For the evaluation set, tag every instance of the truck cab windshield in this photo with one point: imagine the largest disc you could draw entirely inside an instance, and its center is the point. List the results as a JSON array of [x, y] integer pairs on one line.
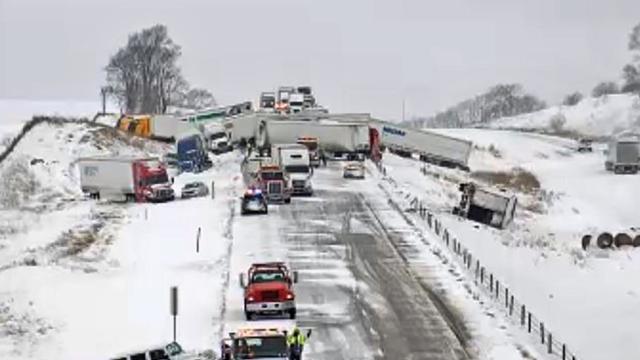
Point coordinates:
[[156, 179], [216, 136], [260, 347], [262, 277], [297, 169], [272, 175]]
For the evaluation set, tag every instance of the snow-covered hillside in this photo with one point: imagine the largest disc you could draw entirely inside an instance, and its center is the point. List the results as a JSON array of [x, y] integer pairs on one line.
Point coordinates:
[[577, 293], [603, 116], [14, 113]]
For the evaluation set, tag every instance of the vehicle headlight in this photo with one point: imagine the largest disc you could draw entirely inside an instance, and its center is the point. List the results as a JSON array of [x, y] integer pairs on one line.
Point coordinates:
[[289, 296], [251, 299]]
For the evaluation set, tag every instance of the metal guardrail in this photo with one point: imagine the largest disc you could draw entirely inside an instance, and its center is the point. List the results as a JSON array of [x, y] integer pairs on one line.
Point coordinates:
[[497, 290], [494, 288]]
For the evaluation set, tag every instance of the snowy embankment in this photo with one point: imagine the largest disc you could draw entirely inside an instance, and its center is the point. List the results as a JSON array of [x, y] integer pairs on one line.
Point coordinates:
[[589, 299], [14, 113], [87, 280], [599, 117]]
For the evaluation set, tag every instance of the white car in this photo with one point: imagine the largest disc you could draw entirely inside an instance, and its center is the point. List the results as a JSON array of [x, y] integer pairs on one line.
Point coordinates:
[[353, 170]]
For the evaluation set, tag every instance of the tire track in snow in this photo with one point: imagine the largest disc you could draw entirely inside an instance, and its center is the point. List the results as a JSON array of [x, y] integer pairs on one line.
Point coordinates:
[[228, 236]]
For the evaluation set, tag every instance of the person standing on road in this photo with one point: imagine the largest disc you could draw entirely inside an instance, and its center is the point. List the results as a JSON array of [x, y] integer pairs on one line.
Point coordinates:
[[296, 342]]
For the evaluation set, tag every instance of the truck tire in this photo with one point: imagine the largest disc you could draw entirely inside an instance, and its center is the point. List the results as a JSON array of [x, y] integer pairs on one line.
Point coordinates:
[[292, 314], [249, 315], [586, 240], [636, 241], [604, 240], [622, 239], [287, 200]]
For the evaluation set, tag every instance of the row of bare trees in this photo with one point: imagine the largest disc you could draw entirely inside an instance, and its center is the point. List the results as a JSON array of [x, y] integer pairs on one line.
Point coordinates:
[[143, 76]]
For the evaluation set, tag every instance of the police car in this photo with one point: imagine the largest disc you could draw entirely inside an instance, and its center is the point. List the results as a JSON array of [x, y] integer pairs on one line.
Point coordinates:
[[254, 202]]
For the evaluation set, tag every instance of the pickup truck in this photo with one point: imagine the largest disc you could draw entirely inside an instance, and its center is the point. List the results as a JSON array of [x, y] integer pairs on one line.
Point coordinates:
[[268, 290]]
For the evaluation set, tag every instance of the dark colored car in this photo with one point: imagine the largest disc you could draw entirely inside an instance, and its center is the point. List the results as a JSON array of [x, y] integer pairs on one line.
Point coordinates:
[[254, 202]]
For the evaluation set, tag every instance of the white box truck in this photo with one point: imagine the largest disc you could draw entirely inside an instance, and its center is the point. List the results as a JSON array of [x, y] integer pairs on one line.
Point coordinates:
[[128, 179], [623, 156], [294, 160]]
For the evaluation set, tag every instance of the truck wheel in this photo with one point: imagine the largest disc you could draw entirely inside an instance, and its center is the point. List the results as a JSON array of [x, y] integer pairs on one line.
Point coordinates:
[[604, 240], [292, 314], [287, 201], [249, 315]]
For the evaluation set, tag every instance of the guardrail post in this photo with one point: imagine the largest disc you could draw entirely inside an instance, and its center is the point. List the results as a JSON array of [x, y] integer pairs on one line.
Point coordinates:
[[482, 275], [491, 283], [506, 297], [523, 311], [529, 321], [497, 289], [550, 344], [564, 352], [511, 306], [542, 332]]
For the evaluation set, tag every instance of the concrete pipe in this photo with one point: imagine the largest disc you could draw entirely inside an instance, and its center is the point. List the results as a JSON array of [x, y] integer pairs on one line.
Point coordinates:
[[605, 240], [622, 239], [586, 240]]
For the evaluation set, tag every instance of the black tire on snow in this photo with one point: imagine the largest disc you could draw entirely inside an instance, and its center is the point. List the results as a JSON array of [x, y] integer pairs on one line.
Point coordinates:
[[287, 201], [249, 316], [292, 314], [586, 240], [622, 239], [636, 241], [604, 240]]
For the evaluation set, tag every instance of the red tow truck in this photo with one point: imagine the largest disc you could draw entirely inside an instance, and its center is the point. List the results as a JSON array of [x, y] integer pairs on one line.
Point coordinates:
[[268, 290]]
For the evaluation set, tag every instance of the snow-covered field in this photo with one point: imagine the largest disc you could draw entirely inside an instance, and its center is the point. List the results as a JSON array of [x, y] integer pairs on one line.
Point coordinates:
[[603, 116], [589, 298]]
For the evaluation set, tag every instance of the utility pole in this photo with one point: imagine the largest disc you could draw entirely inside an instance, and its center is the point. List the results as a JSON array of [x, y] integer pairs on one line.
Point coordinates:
[[104, 91], [403, 110]]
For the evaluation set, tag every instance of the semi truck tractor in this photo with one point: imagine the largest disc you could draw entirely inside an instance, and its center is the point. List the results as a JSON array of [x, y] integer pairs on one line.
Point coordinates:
[[128, 179], [192, 153], [296, 103], [312, 144], [268, 289], [294, 160], [267, 101], [623, 156]]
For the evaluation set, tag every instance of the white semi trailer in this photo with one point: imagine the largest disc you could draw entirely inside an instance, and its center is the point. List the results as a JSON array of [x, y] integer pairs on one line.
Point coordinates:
[[623, 156], [493, 208], [334, 137], [428, 146]]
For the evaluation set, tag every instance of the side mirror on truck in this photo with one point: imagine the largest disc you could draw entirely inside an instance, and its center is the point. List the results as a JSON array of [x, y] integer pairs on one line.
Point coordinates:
[[295, 277]]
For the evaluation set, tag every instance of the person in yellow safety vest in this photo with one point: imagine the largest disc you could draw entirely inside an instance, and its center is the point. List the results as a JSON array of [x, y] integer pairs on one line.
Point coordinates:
[[295, 342]]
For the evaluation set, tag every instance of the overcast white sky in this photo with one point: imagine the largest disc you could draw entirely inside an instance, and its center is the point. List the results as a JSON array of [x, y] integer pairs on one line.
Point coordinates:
[[358, 55]]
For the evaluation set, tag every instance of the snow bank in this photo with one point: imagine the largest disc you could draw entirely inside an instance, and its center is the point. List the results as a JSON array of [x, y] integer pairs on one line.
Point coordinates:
[[602, 116]]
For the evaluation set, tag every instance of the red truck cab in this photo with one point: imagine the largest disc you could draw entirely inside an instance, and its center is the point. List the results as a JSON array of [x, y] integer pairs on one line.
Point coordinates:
[[274, 183], [268, 290]]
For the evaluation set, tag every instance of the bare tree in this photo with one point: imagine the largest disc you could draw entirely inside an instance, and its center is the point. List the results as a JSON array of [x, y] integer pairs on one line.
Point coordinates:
[[143, 74], [572, 99], [605, 88], [195, 98]]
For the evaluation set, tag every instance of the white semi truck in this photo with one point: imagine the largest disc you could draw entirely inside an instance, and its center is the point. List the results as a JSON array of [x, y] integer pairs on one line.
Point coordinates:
[[333, 137], [126, 179], [294, 159], [623, 155]]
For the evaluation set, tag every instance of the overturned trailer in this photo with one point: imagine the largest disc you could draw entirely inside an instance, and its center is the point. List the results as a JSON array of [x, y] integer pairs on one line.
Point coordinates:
[[492, 208]]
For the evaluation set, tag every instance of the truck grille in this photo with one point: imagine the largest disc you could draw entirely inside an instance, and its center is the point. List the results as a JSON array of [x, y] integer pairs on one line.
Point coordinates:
[[274, 187], [298, 183], [164, 193], [269, 295]]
